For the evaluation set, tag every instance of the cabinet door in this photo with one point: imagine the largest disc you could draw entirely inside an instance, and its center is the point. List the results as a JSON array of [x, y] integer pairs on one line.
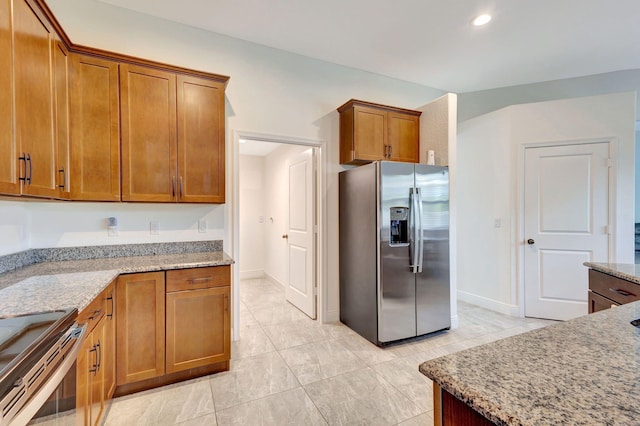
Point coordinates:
[[61, 75], [140, 327], [149, 138], [96, 374], [201, 140], [109, 351], [197, 328], [9, 183], [34, 98], [403, 137], [95, 130], [599, 303], [369, 134]]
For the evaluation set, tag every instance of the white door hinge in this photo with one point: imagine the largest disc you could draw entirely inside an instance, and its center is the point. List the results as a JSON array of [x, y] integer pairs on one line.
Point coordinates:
[[609, 162]]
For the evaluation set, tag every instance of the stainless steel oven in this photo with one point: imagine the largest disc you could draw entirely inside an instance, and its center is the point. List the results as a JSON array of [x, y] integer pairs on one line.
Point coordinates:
[[37, 366]]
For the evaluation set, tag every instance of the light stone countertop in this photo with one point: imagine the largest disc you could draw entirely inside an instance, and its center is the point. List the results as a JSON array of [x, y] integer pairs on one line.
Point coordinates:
[[583, 371], [626, 271], [75, 283]]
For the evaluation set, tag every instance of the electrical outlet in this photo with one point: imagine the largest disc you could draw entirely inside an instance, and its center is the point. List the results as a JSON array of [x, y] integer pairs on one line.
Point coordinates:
[[202, 226], [112, 226], [154, 227]]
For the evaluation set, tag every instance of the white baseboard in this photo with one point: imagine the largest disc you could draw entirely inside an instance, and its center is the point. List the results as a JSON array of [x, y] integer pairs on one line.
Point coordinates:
[[273, 279], [252, 274], [454, 322], [484, 302], [332, 316]]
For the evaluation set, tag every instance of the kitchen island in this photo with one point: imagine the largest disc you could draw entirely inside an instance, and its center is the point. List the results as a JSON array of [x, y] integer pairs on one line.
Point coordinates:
[[583, 371]]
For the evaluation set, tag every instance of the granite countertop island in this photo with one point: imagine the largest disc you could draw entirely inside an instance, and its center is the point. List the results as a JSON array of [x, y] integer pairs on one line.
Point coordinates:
[[625, 271], [583, 371], [74, 283]]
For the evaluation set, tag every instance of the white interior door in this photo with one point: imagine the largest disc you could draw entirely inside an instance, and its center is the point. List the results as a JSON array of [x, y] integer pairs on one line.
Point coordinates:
[[301, 286], [566, 202]]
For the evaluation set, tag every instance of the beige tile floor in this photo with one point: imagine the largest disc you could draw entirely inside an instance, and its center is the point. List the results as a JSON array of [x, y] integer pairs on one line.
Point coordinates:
[[289, 370]]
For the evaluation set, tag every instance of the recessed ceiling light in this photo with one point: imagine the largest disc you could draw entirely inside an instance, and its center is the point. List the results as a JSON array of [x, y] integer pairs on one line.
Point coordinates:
[[481, 20]]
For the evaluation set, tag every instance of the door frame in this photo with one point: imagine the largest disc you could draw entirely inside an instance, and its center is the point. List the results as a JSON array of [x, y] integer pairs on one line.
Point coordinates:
[[320, 214], [517, 281]]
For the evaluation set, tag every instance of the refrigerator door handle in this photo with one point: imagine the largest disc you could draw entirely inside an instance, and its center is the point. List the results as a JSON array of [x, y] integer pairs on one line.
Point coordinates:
[[420, 230], [414, 229]]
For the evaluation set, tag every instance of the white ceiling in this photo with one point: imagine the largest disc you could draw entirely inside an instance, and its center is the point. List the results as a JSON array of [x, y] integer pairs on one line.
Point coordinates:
[[431, 42]]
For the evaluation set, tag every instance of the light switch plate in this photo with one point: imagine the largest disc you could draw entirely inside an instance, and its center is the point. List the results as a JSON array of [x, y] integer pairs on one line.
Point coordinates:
[[202, 226]]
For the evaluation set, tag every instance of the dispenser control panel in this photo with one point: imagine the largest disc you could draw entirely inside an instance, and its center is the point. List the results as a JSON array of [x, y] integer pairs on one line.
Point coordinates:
[[399, 226]]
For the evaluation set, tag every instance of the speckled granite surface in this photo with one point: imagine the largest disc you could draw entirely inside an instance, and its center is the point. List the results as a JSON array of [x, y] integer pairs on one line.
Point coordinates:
[[583, 371], [41, 283], [51, 292], [16, 260], [25, 258], [626, 271]]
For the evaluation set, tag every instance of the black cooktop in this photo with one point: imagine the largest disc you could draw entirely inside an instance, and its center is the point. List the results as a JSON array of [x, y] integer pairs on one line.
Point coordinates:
[[27, 337]]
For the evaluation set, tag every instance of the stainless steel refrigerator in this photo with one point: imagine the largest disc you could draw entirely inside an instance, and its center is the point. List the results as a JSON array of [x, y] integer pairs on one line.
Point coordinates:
[[394, 250]]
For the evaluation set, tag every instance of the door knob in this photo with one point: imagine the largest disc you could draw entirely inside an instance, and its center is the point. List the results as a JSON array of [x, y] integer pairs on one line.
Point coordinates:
[[530, 241], [285, 236]]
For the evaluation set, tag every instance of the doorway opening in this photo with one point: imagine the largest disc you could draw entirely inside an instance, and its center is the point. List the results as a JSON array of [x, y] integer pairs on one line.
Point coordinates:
[[277, 224]]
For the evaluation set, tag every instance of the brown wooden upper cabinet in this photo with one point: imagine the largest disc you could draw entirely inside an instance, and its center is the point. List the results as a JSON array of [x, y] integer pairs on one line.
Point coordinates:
[[9, 183], [38, 159], [95, 129], [370, 132], [84, 124], [172, 137]]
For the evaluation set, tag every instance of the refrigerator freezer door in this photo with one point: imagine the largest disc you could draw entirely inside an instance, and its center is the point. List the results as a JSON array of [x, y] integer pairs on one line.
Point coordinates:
[[396, 281], [432, 284]]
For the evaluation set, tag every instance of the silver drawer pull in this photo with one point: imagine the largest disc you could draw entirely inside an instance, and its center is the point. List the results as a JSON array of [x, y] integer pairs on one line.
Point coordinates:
[[622, 292], [199, 280]]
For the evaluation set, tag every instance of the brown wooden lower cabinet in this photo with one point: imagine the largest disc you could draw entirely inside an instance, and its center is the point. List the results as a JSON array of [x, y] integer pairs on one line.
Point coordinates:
[[95, 364], [172, 326], [139, 327], [450, 411], [606, 291], [197, 328], [598, 303]]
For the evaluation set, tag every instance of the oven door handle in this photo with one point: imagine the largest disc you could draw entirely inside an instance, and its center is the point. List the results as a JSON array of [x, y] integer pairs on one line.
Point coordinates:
[[40, 397]]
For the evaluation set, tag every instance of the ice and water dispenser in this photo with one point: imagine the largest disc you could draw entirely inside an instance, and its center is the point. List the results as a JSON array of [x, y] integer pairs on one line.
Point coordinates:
[[399, 226]]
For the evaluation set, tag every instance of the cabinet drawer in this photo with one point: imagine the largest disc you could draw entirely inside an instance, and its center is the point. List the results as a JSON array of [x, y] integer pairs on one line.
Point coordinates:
[[616, 289], [98, 307], [197, 278]]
